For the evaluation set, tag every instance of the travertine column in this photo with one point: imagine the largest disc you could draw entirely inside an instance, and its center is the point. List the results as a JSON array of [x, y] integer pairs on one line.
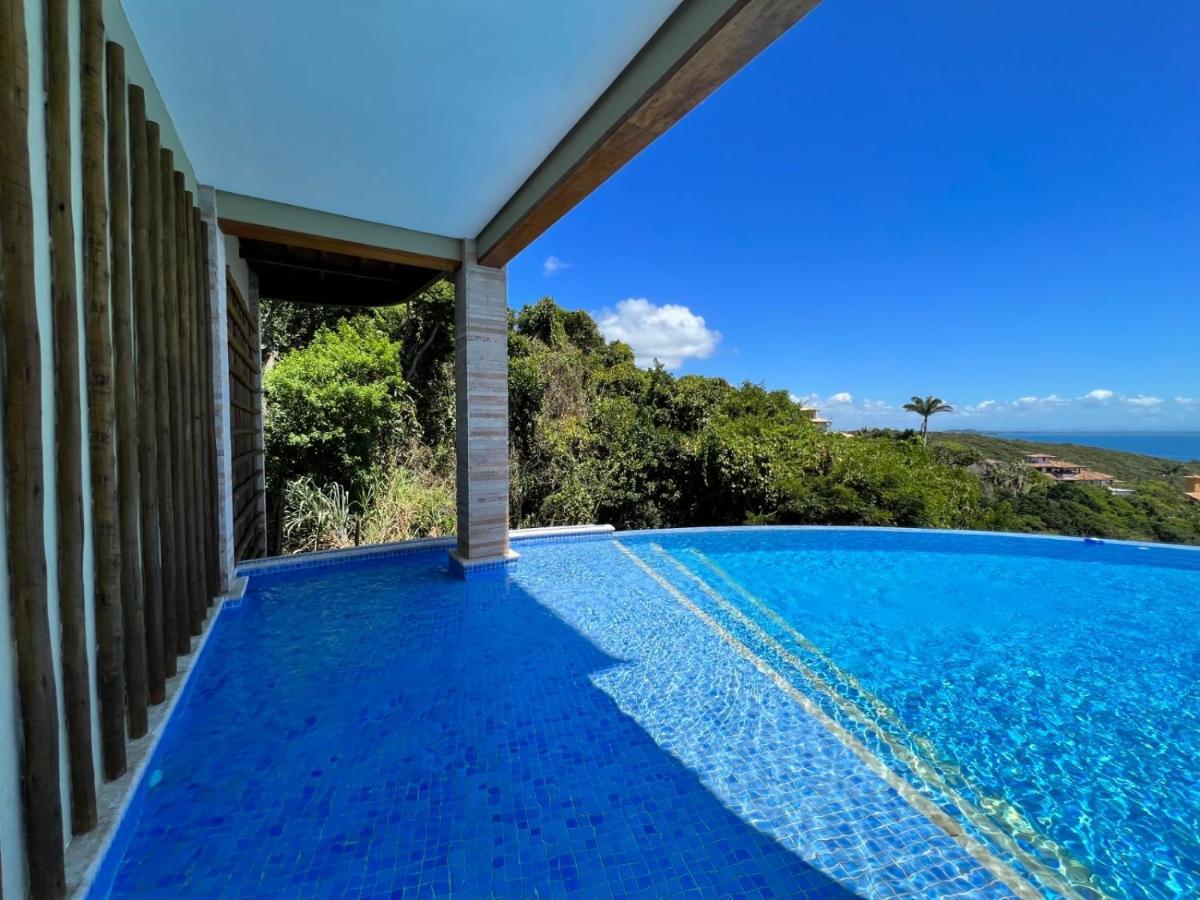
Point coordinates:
[[218, 318], [481, 396]]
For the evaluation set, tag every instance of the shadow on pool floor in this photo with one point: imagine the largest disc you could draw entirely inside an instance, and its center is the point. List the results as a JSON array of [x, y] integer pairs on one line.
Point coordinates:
[[351, 736]]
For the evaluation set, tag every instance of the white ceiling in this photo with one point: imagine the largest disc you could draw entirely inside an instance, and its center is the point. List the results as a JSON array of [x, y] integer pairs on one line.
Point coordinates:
[[427, 114]]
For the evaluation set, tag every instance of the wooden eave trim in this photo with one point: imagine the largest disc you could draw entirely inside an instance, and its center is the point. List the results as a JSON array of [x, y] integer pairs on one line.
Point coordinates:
[[253, 231], [734, 38]]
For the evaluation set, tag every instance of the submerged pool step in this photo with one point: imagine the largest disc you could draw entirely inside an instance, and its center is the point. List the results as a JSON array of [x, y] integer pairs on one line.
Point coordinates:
[[838, 694]]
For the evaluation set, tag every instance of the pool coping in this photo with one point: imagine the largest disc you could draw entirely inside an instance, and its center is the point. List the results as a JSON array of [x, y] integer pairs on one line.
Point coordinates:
[[550, 534], [900, 529], [322, 558]]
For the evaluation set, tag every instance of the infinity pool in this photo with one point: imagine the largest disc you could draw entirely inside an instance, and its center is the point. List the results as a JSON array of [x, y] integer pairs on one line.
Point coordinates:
[[744, 712]]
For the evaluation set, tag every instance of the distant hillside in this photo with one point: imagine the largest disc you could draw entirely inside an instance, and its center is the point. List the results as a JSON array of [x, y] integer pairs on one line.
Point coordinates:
[[1131, 467]]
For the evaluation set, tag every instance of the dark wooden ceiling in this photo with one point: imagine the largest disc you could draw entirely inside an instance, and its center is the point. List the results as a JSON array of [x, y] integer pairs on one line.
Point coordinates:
[[328, 278]]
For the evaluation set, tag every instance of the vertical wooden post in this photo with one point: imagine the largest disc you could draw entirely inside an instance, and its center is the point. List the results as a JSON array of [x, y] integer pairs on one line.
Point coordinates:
[[147, 400], [68, 428], [133, 614], [42, 812], [197, 397], [183, 643], [187, 354], [110, 655], [207, 417], [162, 401]]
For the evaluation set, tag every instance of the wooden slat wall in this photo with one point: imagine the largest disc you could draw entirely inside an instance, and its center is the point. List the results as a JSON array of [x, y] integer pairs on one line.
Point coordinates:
[[245, 411], [147, 358]]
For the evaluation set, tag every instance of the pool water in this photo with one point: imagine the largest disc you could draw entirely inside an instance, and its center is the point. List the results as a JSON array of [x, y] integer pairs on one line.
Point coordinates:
[[749, 712], [1053, 686]]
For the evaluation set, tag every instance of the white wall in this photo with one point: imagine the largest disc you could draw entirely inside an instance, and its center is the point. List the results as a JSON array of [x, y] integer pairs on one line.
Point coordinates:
[[12, 849]]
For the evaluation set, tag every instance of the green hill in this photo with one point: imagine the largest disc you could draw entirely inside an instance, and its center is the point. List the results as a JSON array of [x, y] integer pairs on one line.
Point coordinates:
[[1131, 467], [1018, 499]]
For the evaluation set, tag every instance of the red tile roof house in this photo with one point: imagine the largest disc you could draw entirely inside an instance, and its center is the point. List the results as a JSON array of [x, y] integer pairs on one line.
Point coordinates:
[[1061, 470]]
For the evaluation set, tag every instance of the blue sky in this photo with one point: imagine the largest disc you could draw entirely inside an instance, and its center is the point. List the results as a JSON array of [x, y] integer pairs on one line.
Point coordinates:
[[997, 203]]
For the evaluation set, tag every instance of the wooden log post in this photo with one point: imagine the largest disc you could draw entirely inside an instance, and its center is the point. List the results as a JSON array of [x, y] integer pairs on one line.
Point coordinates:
[[197, 395], [162, 402], [23, 471], [110, 654], [68, 450], [147, 400], [187, 336], [198, 462], [129, 481], [182, 637], [212, 575]]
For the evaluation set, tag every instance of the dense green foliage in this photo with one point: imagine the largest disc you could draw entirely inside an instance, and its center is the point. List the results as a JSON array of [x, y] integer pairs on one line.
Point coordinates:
[[1130, 467], [360, 440], [339, 405], [595, 438], [1021, 500]]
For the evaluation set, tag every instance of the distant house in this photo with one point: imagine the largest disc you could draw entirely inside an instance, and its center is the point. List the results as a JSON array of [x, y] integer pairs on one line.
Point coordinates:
[[1061, 470], [815, 417], [1191, 487]]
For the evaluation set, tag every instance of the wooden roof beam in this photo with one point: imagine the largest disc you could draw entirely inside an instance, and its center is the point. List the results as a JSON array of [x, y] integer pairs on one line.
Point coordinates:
[[265, 220]]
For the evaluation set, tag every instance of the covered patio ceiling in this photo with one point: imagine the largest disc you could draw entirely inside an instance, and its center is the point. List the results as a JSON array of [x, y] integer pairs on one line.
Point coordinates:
[[398, 129]]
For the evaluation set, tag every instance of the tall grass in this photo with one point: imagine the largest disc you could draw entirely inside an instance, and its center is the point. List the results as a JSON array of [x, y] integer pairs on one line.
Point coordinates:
[[411, 497]]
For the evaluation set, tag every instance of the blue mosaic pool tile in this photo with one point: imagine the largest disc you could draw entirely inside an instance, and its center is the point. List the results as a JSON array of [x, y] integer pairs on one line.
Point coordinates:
[[571, 730]]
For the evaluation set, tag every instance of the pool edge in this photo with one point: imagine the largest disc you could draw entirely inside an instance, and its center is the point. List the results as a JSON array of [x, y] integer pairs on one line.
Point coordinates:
[[91, 863]]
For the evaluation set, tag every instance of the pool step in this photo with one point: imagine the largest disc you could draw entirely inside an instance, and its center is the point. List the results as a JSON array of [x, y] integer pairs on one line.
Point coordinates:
[[792, 658]]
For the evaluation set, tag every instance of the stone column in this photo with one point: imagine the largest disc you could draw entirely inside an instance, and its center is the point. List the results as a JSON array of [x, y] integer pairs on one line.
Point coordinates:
[[481, 404], [218, 319]]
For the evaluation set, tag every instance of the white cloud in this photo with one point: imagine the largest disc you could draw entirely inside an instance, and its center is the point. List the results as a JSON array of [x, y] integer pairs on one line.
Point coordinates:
[[669, 333], [553, 265], [1034, 403], [1141, 400], [1096, 409]]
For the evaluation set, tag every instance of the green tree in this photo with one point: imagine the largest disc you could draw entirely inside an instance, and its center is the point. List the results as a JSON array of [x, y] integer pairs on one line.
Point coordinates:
[[926, 407], [338, 408], [595, 438]]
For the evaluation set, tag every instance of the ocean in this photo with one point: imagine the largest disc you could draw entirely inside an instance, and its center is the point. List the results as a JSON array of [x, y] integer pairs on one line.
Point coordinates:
[[1181, 445]]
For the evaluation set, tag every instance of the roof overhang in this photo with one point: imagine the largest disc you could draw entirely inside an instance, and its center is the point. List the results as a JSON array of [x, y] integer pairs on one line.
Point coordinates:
[[379, 163], [696, 50]]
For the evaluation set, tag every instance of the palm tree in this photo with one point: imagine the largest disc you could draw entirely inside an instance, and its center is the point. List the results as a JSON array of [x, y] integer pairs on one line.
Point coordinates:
[[926, 407]]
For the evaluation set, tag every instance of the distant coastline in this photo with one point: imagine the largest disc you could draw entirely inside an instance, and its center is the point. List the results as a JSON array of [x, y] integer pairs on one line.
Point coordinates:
[[1178, 445]]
